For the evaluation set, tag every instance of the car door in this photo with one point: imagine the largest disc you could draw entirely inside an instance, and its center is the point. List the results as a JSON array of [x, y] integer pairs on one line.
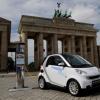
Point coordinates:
[[55, 71]]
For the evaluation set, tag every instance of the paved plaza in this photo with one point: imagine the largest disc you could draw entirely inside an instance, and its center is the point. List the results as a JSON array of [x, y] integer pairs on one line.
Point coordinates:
[[34, 93]]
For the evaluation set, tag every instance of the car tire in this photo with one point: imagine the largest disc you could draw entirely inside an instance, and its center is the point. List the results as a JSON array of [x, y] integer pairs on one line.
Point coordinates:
[[74, 88], [42, 83]]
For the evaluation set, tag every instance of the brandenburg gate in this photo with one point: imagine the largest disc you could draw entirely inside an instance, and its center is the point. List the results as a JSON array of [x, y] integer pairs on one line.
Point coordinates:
[[76, 37]]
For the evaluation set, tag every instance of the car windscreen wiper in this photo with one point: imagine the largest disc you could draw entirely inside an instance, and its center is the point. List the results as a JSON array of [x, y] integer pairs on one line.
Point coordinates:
[[86, 65], [82, 65]]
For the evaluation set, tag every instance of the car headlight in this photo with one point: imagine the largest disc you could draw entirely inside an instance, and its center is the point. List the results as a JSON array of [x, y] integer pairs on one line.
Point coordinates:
[[81, 72]]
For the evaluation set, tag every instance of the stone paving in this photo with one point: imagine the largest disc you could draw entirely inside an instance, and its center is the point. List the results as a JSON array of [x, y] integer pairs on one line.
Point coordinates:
[[34, 93]]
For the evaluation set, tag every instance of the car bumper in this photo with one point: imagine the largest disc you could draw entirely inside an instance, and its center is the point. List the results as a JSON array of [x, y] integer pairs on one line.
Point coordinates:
[[90, 83]]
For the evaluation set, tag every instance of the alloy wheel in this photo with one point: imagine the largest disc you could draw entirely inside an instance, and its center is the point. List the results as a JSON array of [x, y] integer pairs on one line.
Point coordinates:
[[73, 88]]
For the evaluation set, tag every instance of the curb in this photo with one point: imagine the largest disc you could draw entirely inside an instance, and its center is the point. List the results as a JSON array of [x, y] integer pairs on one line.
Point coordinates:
[[7, 75], [14, 74]]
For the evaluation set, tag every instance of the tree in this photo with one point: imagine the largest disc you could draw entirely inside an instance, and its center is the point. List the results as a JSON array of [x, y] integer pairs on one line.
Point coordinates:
[[11, 65], [31, 67]]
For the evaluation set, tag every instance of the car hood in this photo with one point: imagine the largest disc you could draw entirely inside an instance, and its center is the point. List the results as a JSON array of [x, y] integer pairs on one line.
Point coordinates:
[[90, 71]]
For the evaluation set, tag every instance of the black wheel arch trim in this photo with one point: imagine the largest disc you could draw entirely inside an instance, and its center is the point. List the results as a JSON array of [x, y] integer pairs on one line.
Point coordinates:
[[40, 77], [71, 80]]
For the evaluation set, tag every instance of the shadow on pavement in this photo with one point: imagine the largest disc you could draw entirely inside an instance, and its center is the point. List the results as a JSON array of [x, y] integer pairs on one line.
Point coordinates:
[[92, 92], [85, 93], [35, 88]]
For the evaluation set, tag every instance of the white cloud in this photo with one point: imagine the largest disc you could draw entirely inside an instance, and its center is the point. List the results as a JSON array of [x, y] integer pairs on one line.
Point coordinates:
[[15, 37], [82, 13], [82, 10]]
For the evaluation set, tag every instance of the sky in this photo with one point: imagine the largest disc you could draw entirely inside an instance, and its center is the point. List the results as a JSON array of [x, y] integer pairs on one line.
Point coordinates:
[[82, 11]]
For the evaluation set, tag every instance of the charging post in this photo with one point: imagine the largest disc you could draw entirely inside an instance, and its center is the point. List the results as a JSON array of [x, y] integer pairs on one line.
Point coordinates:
[[20, 63], [20, 66]]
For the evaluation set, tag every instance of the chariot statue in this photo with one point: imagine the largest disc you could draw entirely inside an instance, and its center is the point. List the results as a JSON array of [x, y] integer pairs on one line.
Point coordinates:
[[58, 12]]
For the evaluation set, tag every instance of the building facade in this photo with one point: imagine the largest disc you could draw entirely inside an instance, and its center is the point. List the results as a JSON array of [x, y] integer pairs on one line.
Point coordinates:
[[98, 50], [5, 30], [76, 37]]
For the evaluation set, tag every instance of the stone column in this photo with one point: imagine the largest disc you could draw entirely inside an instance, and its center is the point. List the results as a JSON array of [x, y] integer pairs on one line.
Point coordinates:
[[0, 49], [49, 46], [73, 44], [38, 50], [26, 49], [92, 54], [52, 44], [84, 47], [95, 52], [69, 44], [4, 50], [81, 47], [64, 44]]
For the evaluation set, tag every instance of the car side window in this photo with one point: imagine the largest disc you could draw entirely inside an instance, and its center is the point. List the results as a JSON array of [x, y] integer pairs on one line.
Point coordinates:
[[50, 61], [54, 60], [58, 60]]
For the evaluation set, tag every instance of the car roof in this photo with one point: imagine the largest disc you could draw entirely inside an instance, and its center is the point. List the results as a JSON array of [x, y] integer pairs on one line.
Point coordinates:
[[61, 54]]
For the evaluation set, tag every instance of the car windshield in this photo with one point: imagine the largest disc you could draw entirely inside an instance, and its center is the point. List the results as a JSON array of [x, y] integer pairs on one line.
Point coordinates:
[[77, 61]]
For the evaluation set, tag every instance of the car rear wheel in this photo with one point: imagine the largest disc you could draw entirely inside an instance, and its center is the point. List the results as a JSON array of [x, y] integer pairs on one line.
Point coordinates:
[[74, 88], [42, 83]]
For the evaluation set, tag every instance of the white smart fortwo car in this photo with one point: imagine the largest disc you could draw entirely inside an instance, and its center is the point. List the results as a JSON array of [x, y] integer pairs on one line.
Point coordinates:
[[68, 70]]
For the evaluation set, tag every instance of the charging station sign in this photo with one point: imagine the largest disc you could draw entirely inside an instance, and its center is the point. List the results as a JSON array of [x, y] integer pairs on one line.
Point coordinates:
[[20, 58]]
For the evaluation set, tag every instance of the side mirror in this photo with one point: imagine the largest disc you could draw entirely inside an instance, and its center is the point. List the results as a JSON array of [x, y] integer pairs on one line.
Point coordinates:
[[61, 64]]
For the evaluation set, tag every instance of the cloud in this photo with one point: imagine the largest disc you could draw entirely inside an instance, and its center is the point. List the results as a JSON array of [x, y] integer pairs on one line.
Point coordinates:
[[85, 12], [82, 10], [81, 13], [15, 37]]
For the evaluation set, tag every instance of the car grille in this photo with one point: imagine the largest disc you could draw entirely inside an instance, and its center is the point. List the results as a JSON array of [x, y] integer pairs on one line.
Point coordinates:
[[96, 83], [93, 77]]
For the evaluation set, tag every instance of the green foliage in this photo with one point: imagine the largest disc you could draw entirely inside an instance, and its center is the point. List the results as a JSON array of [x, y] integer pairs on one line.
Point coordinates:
[[31, 67], [11, 65]]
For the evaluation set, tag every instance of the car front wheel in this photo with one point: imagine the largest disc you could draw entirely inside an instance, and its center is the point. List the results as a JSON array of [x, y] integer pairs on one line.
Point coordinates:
[[74, 88]]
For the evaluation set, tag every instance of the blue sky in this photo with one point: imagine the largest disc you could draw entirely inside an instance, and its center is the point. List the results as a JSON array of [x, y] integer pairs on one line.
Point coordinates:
[[82, 10]]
